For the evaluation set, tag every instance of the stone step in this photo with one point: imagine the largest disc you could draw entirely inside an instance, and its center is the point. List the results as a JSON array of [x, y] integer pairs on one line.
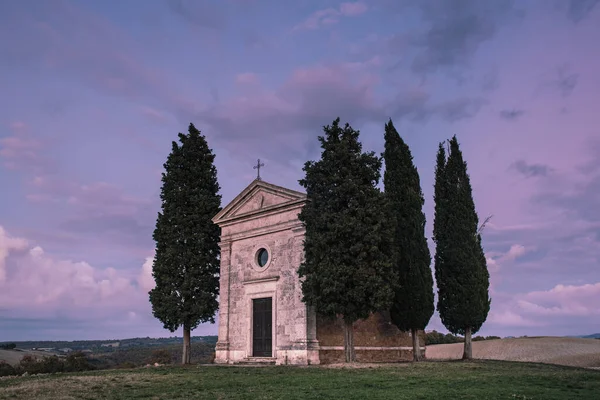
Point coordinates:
[[259, 360]]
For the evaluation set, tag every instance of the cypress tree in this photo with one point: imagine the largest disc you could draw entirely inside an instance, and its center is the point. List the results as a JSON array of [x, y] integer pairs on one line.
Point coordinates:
[[186, 264], [460, 267], [346, 264], [413, 303]]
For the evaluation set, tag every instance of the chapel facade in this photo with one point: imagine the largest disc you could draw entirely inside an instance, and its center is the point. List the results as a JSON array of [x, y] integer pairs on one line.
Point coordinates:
[[262, 317]]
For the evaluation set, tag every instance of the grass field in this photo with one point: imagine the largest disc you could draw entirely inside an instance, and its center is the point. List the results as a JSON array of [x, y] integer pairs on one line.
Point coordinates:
[[553, 350], [426, 380]]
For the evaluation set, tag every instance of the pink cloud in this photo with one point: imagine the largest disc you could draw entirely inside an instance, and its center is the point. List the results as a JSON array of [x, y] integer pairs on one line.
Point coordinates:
[[563, 300], [18, 126], [145, 279], [34, 281], [510, 318], [21, 151], [247, 78], [307, 99], [7, 245], [546, 307]]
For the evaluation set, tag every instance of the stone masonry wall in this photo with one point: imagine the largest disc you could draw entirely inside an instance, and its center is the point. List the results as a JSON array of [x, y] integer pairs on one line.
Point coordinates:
[[280, 232], [376, 339], [244, 269]]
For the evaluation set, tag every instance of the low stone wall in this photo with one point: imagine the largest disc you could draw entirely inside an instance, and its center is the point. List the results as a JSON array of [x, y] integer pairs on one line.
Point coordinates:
[[376, 339], [366, 356]]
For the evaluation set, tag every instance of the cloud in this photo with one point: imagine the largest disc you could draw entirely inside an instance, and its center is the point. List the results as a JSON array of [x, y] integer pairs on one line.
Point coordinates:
[[566, 81], [561, 307], [330, 16], [18, 126], [21, 151], [313, 96], [416, 106], [490, 81], [204, 14], [456, 30], [563, 300], [531, 170], [246, 78], [58, 37], [45, 297], [36, 279], [146, 280], [497, 260], [7, 245], [510, 318], [515, 251], [578, 194], [578, 10], [352, 9], [98, 211], [154, 115], [511, 115], [308, 99]]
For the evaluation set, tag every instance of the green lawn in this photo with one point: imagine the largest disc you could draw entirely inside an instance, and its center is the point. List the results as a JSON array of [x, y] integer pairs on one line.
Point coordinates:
[[426, 380]]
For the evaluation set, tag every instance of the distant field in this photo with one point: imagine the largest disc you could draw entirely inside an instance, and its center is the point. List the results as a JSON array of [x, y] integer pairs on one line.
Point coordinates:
[[427, 380], [13, 357], [553, 350]]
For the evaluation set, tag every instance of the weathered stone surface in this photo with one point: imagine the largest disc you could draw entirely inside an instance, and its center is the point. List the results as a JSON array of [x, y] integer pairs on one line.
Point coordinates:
[[263, 216], [376, 339], [266, 216]]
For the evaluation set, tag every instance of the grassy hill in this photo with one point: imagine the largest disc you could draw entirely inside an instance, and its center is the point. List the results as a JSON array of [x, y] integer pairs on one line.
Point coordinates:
[[427, 380], [553, 350]]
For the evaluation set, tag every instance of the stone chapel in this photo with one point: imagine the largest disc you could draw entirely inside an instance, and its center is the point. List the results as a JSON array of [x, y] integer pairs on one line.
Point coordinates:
[[261, 314]]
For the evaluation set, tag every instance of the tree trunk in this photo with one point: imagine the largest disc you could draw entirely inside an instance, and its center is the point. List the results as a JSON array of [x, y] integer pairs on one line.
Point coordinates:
[[185, 359], [416, 347], [468, 353], [349, 342]]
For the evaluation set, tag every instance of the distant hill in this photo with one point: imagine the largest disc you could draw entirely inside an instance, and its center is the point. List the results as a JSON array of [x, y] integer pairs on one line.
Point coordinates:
[[592, 336], [114, 353], [108, 345]]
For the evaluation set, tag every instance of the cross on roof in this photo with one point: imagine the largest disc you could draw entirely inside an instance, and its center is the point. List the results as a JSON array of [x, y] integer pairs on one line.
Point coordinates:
[[257, 167]]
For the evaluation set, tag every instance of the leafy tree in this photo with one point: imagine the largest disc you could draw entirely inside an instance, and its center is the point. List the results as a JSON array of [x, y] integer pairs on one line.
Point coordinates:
[[186, 264], [460, 266], [413, 292], [347, 266]]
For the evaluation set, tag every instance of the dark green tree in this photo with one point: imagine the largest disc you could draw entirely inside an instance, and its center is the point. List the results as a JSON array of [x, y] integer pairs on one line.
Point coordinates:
[[460, 266], [413, 303], [186, 264], [347, 265]]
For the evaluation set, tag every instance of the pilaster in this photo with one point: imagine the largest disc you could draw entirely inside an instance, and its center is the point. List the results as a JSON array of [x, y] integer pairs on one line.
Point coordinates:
[[222, 347]]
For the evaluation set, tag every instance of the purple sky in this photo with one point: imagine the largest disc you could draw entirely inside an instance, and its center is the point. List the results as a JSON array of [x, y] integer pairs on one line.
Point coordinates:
[[93, 92]]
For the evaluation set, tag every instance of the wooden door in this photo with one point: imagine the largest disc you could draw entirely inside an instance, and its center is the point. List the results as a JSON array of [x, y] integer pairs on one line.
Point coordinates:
[[262, 333]]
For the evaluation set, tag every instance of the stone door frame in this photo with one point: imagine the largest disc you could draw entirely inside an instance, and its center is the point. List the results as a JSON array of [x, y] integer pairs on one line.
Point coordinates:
[[258, 289]]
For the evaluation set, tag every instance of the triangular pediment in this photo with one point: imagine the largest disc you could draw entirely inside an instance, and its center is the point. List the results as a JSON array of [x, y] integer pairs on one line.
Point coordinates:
[[258, 197]]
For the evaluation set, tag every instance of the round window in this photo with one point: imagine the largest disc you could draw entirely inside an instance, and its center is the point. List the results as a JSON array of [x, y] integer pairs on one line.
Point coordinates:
[[262, 257]]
